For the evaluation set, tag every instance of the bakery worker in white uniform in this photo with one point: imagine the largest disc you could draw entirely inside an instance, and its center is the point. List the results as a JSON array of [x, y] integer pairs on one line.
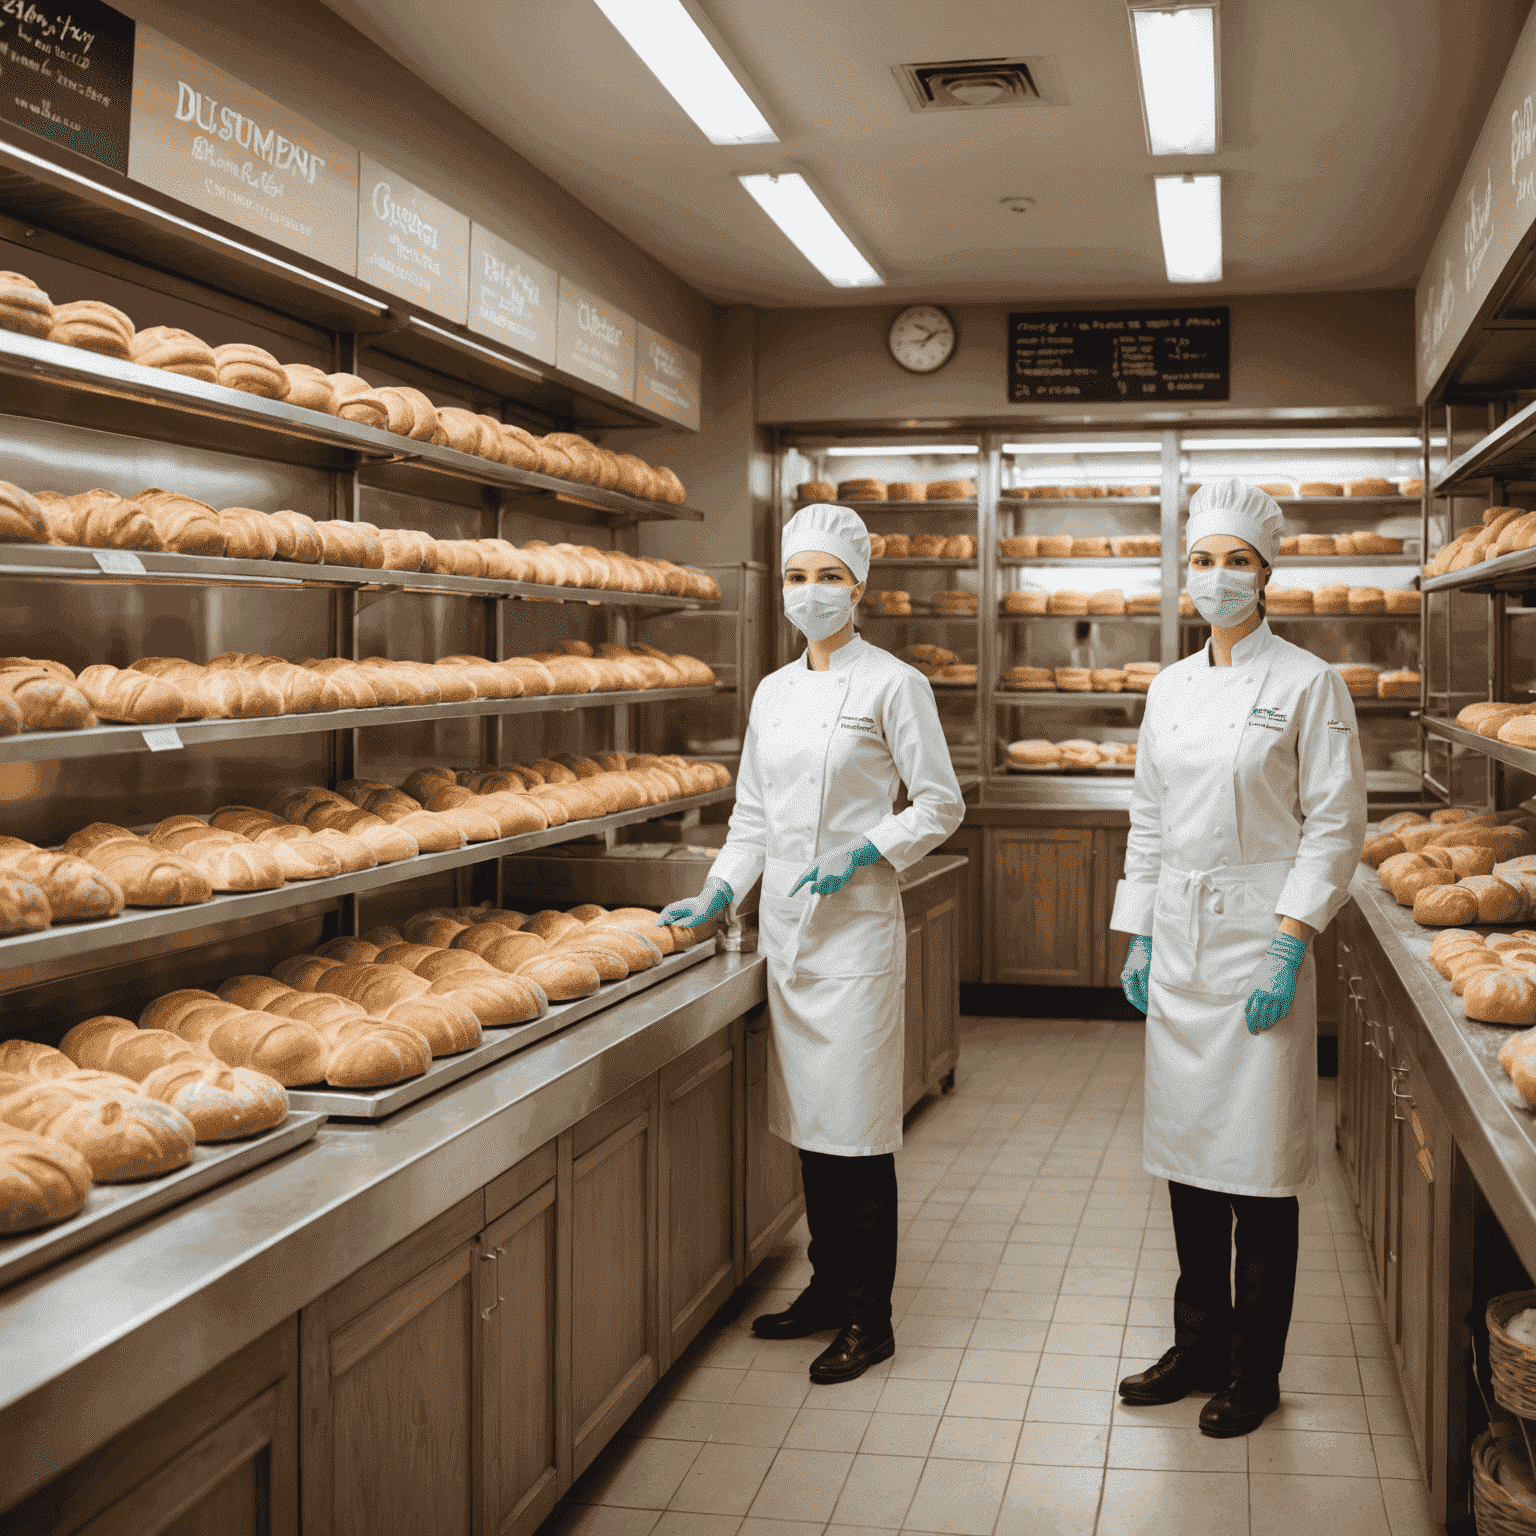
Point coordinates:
[[832, 738], [1247, 818]]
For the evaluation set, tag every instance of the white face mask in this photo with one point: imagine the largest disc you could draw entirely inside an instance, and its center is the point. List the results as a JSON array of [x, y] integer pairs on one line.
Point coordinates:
[[818, 610], [1223, 598]]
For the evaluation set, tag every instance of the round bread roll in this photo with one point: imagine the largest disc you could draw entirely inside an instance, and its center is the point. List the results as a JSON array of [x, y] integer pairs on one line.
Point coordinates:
[[1067, 601], [1034, 754], [1074, 679], [1383, 846], [1497, 901], [1028, 600], [1408, 884], [1500, 996], [41, 1181], [24, 307], [1442, 905]]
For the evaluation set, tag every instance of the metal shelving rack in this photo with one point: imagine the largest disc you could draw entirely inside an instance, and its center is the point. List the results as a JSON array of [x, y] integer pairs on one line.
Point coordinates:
[[66, 209]]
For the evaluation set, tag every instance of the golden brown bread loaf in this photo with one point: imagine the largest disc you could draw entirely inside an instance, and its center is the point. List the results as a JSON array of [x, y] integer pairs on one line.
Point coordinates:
[[46, 701], [93, 326], [1376, 849], [41, 1181], [22, 519], [563, 978], [287, 1050], [74, 890], [185, 525], [120, 1134], [1440, 905], [1500, 996], [24, 307], [175, 351]]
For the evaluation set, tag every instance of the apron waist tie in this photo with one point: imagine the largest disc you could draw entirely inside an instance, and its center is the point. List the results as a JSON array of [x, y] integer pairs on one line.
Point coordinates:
[[1196, 884]]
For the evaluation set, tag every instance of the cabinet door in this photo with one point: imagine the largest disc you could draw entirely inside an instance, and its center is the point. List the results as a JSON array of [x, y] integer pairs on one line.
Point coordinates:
[[1108, 868], [1038, 895], [700, 1125], [390, 1362], [1346, 1130], [970, 842], [219, 1459], [527, 1460], [941, 990], [774, 1194], [608, 1165], [913, 1075]]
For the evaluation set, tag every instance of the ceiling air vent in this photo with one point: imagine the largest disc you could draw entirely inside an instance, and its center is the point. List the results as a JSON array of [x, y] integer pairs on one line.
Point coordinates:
[[972, 85]]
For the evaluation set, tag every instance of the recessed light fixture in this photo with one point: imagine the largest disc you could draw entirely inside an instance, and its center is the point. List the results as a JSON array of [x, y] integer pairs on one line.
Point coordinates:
[[1189, 212], [791, 202], [887, 451], [675, 49], [1052, 448], [1310, 444], [1177, 62]]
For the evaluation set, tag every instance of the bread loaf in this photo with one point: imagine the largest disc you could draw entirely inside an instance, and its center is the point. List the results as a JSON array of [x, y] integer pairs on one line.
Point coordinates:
[[448, 1024], [120, 1134], [74, 889], [1439, 905], [1500, 996], [1497, 902], [41, 1181], [22, 519], [1410, 882], [1382, 846], [24, 307], [93, 326], [563, 978], [1034, 755]]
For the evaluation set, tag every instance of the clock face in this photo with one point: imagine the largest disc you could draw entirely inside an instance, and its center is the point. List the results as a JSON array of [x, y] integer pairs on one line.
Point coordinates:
[[922, 338]]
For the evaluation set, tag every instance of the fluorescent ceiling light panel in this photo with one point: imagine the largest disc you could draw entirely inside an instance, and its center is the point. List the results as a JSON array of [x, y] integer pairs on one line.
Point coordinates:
[[1189, 211], [674, 48], [788, 199], [1308, 444], [1176, 57], [1049, 448], [884, 450]]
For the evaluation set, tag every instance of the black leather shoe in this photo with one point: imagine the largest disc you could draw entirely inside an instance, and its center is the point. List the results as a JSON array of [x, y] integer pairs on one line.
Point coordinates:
[[852, 1353], [1176, 1375], [1240, 1408], [808, 1313]]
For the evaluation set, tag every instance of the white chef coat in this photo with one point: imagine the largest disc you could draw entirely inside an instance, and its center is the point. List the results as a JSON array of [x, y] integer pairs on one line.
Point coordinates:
[[825, 754], [1249, 805]]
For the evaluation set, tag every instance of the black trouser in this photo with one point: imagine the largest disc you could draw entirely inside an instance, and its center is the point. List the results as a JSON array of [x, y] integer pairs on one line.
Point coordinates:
[[850, 1207], [1245, 1339]]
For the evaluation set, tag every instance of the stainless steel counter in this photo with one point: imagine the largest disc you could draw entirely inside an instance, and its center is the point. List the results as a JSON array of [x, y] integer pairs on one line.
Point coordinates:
[[1494, 1130], [99, 1341]]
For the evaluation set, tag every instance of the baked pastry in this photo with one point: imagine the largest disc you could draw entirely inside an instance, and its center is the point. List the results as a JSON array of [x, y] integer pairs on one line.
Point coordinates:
[[1321, 488], [1111, 601], [1362, 681], [1055, 546], [861, 490], [1331, 599], [1316, 544], [135, 698], [1439, 906], [1144, 603], [1067, 601], [960, 546], [24, 307], [1090, 548], [1139, 675], [1033, 755], [175, 351], [46, 701], [188, 526], [120, 1134], [928, 546], [1398, 685], [22, 520], [906, 490], [1030, 679], [1370, 487], [74, 890], [41, 1181], [1366, 600], [1107, 679], [250, 369], [1497, 901], [1019, 546], [1026, 600], [958, 674], [1381, 846], [1074, 680], [309, 387], [94, 327], [23, 907], [288, 1050], [149, 876], [1287, 600], [943, 602], [1079, 756], [1136, 545], [816, 490], [950, 490], [897, 546]]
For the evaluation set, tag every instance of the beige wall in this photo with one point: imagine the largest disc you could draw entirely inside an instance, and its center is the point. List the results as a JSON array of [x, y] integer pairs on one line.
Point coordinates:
[[1295, 350], [305, 56]]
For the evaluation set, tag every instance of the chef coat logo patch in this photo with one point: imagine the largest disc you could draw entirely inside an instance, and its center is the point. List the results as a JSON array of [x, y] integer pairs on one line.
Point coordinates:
[[1341, 727], [1269, 719], [864, 723]]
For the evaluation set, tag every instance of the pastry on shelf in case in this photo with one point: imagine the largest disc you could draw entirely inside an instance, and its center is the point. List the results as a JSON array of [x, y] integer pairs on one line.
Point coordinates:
[[1108, 603], [1095, 547], [74, 890], [906, 490], [950, 490], [1074, 680], [1402, 599], [252, 370], [956, 675], [1019, 546], [928, 546], [173, 350], [1030, 679], [94, 327], [930, 655], [1362, 681], [1414, 487], [1369, 486], [1276, 488], [1287, 600], [961, 603], [1074, 755], [816, 490], [1144, 603], [861, 490], [1107, 679], [888, 604], [1067, 601], [876, 546], [1366, 600], [1364, 541], [1320, 488], [24, 307], [1332, 598], [1139, 675], [1398, 685], [1033, 756], [1026, 600], [1136, 545], [22, 518]]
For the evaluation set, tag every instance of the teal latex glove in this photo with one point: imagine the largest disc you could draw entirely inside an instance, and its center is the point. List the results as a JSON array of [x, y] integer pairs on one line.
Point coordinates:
[[832, 871], [710, 902], [1136, 970], [1274, 983]]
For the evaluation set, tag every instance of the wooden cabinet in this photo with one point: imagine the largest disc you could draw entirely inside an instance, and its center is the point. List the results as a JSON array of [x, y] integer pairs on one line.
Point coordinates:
[[700, 1145], [914, 1036], [608, 1173], [941, 988], [390, 1361], [522, 1267], [1037, 890], [219, 1459], [1108, 868], [970, 844], [774, 1196]]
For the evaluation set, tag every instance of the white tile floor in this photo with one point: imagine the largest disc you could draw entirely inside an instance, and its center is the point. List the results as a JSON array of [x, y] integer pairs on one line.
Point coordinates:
[[1037, 1268]]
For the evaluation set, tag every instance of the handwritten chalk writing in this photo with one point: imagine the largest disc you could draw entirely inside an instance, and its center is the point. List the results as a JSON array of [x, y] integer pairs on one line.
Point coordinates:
[[1477, 232], [386, 209], [665, 361], [596, 324]]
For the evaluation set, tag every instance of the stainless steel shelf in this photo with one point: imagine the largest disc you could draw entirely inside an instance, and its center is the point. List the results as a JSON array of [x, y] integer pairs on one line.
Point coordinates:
[[43, 379], [966, 504], [1506, 453], [48, 562], [1327, 562], [1322, 618], [1400, 707], [919, 613], [1344, 503], [1517, 757], [1007, 503], [920, 563], [110, 740], [1509, 573], [1019, 697], [1082, 562], [1078, 618], [72, 941]]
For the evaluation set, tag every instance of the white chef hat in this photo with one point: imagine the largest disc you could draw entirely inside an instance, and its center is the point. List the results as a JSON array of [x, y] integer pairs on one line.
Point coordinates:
[[828, 530], [1235, 507]]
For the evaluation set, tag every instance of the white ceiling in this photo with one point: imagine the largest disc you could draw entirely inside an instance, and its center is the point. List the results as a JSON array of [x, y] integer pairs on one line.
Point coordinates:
[[1345, 124]]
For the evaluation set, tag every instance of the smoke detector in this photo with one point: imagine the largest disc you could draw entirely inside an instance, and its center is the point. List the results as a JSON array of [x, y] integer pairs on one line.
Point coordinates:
[[1016, 204], [974, 85]]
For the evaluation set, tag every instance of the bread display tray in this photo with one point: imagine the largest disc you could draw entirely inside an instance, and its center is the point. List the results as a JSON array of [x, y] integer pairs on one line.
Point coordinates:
[[376, 1103], [109, 1208]]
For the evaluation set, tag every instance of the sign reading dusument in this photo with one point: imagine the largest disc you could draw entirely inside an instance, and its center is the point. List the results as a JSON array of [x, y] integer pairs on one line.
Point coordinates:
[[1103, 355], [409, 243], [66, 72], [597, 341], [667, 379], [212, 141], [513, 299]]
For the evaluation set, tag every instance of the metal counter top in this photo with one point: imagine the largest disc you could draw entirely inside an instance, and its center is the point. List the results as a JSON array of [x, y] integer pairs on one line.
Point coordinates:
[[1494, 1129], [96, 1342]]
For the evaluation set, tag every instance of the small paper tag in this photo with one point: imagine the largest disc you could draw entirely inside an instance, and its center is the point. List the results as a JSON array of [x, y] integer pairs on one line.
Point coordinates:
[[162, 738], [119, 562]]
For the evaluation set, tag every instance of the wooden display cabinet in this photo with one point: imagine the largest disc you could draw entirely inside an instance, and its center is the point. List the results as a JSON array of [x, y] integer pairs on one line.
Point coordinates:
[[774, 1198]]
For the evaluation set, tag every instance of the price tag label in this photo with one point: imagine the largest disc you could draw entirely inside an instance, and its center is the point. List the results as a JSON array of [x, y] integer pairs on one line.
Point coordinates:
[[119, 562], [162, 738]]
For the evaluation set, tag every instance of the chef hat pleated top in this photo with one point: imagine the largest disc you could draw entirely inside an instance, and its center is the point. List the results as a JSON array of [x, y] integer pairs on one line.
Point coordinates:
[[1235, 507], [828, 530]]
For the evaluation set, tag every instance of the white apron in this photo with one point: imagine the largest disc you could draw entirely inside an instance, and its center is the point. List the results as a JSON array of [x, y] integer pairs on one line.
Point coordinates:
[[1249, 805], [825, 756]]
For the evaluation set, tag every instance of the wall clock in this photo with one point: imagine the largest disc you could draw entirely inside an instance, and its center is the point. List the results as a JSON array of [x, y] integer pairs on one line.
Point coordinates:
[[922, 338]]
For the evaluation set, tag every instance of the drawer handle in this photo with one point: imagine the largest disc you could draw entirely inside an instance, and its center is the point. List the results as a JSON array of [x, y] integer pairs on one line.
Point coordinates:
[[1399, 1098], [493, 1257]]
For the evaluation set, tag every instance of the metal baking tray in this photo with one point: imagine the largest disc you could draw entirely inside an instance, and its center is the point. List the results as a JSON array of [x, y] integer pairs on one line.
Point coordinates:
[[634, 875], [377, 1103], [109, 1208]]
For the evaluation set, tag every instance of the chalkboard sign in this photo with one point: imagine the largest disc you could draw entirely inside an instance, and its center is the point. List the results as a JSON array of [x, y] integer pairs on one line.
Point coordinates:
[[1132, 354], [66, 72]]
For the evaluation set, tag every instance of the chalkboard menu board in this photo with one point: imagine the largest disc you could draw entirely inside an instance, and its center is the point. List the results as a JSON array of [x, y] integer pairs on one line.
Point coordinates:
[[1132, 354]]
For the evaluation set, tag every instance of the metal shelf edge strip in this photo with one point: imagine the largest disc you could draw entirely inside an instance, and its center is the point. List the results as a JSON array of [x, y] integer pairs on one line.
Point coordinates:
[[1516, 757]]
